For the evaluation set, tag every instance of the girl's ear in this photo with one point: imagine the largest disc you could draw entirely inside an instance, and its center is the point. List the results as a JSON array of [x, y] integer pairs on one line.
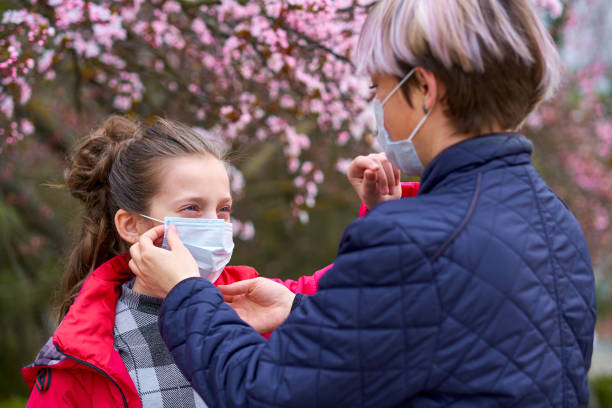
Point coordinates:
[[127, 225]]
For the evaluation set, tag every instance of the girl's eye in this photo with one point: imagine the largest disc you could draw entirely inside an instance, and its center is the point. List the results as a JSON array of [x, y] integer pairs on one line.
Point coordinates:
[[190, 208]]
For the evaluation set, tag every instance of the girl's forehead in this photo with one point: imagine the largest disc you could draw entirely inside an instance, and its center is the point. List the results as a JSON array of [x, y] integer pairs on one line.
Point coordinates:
[[193, 175]]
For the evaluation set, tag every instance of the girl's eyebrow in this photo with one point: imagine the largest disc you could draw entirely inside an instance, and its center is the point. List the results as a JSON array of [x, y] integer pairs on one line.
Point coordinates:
[[196, 199], [199, 200]]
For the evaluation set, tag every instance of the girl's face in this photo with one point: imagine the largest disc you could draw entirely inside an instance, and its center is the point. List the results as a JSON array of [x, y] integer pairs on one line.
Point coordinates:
[[193, 186]]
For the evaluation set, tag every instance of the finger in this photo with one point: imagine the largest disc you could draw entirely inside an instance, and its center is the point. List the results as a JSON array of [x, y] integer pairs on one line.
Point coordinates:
[[370, 185], [381, 178], [173, 239], [389, 176], [152, 235], [360, 164], [135, 252], [397, 175], [134, 268], [238, 288], [228, 299]]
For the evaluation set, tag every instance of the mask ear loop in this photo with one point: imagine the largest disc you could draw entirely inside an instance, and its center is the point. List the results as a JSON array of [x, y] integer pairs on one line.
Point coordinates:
[[402, 82], [151, 218]]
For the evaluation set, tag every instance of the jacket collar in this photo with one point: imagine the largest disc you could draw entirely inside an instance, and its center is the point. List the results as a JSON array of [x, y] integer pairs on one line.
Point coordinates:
[[478, 153], [86, 333]]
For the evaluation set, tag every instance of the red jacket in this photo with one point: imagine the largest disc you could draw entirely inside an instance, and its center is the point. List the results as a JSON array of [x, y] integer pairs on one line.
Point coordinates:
[[84, 369], [79, 367]]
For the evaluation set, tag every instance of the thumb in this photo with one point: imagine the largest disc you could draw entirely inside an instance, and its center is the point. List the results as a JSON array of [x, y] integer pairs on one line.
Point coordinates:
[[173, 239], [369, 183], [360, 165], [237, 288]]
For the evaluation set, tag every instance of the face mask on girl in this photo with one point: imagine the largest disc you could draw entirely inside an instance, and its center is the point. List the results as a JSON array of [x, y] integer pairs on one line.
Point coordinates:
[[210, 242], [402, 153]]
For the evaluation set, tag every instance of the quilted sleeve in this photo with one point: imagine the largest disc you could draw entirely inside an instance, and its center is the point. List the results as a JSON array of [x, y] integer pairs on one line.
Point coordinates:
[[366, 338]]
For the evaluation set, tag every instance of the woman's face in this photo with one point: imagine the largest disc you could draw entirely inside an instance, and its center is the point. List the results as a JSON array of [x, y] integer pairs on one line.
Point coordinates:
[[400, 118], [193, 186]]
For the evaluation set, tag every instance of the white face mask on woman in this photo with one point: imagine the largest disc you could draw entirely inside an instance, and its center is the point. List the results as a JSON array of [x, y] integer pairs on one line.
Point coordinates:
[[210, 242], [402, 153]]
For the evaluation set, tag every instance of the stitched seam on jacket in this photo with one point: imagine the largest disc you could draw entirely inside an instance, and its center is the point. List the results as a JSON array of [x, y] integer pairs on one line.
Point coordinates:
[[464, 223], [492, 346], [579, 253], [554, 273], [360, 360], [403, 319], [442, 318], [524, 312], [472, 276], [506, 299], [562, 271], [514, 303], [435, 285], [528, 181]]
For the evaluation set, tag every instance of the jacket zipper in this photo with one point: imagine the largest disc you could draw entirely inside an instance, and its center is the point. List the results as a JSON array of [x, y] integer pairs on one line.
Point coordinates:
[[99, 370]]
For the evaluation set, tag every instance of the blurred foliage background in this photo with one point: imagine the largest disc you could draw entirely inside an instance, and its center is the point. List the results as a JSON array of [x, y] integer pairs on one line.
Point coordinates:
[[38, 218]]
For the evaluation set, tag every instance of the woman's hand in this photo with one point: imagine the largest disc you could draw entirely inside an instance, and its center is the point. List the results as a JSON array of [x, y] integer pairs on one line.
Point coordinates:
[[261, 302], [374, 179], [159, 270]]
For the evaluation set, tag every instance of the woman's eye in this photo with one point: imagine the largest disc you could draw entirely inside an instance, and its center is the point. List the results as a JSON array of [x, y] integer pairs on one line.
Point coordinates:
[[226, 209], [372, 95]]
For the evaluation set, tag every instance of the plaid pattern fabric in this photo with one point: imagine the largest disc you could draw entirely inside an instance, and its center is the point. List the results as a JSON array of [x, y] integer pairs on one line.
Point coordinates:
[[48, 355], [157, 378]]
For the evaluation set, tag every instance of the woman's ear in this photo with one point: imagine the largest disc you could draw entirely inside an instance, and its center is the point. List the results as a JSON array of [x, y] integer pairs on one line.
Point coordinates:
[[428, 84], [127, 225]]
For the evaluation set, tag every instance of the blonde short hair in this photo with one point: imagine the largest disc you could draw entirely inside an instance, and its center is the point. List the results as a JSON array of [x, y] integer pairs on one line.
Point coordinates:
[[495, 57]]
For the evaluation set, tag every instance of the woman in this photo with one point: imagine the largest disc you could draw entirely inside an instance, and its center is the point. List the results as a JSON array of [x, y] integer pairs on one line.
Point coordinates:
[[478, 292]]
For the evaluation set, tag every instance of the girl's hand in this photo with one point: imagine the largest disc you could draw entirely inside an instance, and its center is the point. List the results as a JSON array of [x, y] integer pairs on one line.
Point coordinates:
[[261, 302], [159, 270], [374, 179]]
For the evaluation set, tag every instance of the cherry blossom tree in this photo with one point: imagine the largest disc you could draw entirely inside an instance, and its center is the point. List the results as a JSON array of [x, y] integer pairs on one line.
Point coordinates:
[[253, 72], [249, 71], [273, 79]]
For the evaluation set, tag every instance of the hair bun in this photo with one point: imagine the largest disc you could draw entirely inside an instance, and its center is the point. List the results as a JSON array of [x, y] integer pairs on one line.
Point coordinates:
[[92, 159]]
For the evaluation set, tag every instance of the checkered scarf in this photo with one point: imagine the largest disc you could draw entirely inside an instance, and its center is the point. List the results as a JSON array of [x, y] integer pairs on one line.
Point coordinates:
[[157, 378]]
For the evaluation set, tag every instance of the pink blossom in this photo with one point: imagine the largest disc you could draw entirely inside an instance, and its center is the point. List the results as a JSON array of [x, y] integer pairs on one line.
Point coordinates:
[[27, 127], [6, 105], [122, 102]]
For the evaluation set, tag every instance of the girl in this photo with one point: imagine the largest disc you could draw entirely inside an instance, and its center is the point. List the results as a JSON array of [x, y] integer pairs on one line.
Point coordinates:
[[107, 350]]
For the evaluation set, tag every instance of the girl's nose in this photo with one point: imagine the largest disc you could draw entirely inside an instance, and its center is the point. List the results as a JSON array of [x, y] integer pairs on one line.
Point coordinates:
[[210, 214]]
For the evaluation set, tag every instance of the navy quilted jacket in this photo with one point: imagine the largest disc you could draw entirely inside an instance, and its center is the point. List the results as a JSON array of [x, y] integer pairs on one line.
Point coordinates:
[[479, 292]]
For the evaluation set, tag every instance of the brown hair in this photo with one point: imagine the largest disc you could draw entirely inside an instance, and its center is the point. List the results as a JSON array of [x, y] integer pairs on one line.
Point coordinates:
[[116, 167], [494, 57]]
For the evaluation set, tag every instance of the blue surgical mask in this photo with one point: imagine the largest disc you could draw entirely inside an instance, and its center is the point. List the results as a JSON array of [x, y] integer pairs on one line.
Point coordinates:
[[210, 242], [402, 153]]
